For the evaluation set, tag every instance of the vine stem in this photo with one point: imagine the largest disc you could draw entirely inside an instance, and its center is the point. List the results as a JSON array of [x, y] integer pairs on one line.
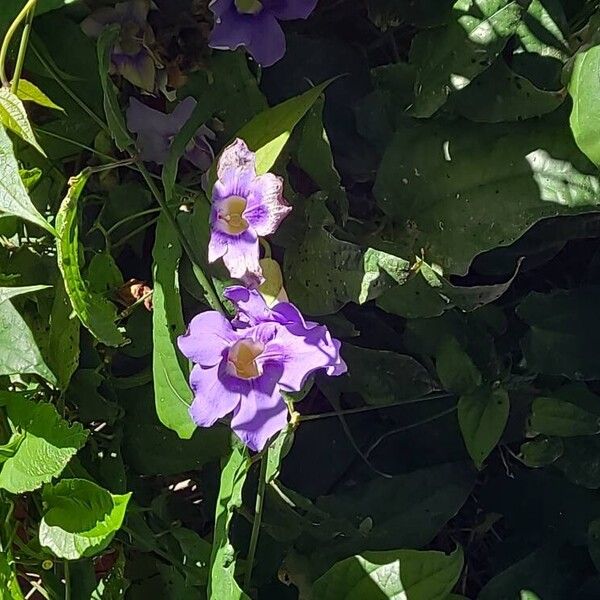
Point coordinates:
[[67, 580], [209, 292], [22, 49], [7, 39], [258, 510]]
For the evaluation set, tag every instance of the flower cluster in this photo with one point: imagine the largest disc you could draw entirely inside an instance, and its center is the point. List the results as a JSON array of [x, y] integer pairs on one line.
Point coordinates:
[[243, 366]]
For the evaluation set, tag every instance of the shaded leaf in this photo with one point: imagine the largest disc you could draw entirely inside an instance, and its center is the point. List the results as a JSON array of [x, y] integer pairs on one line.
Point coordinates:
[[551, 416], [396, 574], [455, 368], [541, 451], [49, 443], [172, 392], [347, 273], [96, 312], [81, 518], [482, 416], [449, 59]]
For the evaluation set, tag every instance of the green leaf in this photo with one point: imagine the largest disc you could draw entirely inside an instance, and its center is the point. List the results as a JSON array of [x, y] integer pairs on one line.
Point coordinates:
[[114, 585], [9, 584], [580, 461], [551, 416], [81, 518], [222, 583], [382, 377], [395, 574], [278, 450], [29, 92], [449, 59], [499, 94], [49, 443], [14, 198], [11, 8], [563, 327], [63, 339], [96, 312], [19, 352], [584, 88], [542, 30], [112, 110], [347, 273], [455, 368], [541, 451], [172, 392], [268, 132], [13, 116], [422, 13], [452, 192], [10, 292], [482, 416], [594, 542]]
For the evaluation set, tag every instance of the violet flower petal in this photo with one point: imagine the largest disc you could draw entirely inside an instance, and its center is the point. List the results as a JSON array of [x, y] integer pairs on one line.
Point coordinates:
[[212, 399], [236, 156], [262, 413], [266, 207], [139, 69], [242, 255], [290, 9], [207, 336]]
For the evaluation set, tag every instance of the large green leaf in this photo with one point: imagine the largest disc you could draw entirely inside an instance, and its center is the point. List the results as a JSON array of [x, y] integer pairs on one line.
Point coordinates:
[[49, 443], [268, 132], [172, 393], [449, 59], [10, 292], [405, 511], [346, 273], [19, 352], [563, 327], [584, 88], [542, 30], [9, 584], [392, 575], [11, 8], [221, 582], [452, 191], [81, 518], [96, 312], [422, 13], [482, 416], [14, 199], [14, 117], [552, 416], [382, 377]]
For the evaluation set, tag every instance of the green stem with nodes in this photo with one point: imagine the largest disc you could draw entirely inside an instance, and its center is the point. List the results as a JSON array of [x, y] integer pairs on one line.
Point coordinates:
[[209, 293], [6, 43], [22, 49], [258, 510], [67, 580]]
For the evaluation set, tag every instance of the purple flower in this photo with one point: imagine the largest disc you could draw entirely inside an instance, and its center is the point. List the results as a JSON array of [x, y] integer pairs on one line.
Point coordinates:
[[242, 367], [130, 56], [254, 24], [156, 131], [244, 206]]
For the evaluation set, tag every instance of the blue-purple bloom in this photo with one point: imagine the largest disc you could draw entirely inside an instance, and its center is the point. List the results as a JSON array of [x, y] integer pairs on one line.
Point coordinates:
[[243, 366], [156, 130], [254, 24], [244, 206], [131, 56]]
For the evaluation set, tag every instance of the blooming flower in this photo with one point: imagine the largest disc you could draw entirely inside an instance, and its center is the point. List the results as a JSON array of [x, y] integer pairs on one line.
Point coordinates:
[[254, 24], [242, 367], [130, 55], [244, 206], [156, 131]]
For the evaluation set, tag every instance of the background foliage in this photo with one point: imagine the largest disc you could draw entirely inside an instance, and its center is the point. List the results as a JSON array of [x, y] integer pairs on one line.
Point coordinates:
[[442, 162]]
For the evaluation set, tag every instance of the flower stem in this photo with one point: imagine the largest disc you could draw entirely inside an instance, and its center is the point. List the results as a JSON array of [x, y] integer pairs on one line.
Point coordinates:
[[67, 580], [258, 509], [7, 39], [209, 293], [22, 49]]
